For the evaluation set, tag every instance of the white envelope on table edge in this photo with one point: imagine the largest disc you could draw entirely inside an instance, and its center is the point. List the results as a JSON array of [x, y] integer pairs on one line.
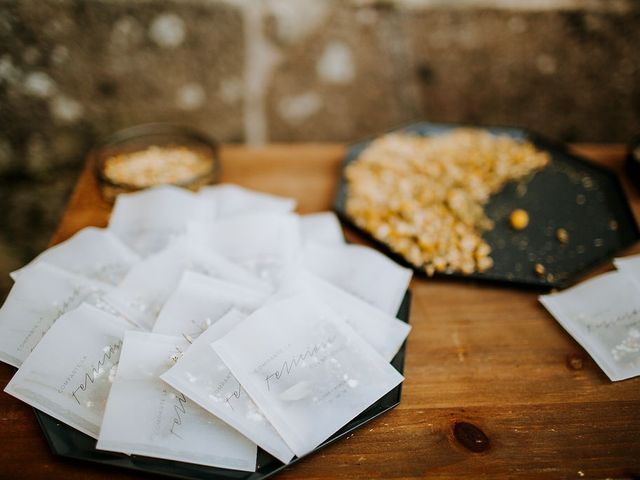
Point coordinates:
[[77, 379], [306, 369], [603, 315], [144, 416]]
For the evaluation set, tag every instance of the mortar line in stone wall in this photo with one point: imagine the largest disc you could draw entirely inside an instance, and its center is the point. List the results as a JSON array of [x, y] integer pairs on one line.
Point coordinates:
[[260, 60], [399, 51], [253, 116]]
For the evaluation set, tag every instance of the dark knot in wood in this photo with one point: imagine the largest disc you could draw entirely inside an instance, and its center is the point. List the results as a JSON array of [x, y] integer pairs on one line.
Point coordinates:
[[471, 437], [574, 361]]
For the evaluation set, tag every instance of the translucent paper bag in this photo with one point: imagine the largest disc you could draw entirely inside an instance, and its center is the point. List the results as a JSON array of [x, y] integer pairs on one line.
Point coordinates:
[[142, 293], [323, 227], [200, 301], [94, 253], [361, 271], [233, 200], [630, 266], [144, 416], [307, 371], [147, 221], [68, 375], [603, 315], [199, 258], [266, 244], [203, 377], [38, 298], [384, 332]]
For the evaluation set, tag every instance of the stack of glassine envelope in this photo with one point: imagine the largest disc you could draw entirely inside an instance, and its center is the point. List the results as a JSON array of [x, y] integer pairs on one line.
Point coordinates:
[[197, 327]]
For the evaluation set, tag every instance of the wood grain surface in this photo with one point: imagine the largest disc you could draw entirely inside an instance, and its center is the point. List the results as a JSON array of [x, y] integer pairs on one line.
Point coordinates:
[[494, 386]]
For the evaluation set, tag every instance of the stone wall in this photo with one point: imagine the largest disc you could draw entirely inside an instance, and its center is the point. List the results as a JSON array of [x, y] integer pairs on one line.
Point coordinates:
[[293, 70]]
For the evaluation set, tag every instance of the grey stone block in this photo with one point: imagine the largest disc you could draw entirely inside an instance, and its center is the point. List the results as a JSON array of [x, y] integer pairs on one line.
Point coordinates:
[[572, 75], [342, 77]]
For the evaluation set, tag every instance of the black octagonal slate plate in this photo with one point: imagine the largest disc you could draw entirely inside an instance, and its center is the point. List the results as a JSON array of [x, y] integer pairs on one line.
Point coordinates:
[[572, 193], [68, 442]]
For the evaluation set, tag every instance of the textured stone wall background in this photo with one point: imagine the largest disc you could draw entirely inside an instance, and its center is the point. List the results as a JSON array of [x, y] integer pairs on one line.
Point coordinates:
[[293, 70]]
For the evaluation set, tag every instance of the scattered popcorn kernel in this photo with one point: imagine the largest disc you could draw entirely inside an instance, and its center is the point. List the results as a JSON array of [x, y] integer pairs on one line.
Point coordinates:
[[519, 219], [562, 235]]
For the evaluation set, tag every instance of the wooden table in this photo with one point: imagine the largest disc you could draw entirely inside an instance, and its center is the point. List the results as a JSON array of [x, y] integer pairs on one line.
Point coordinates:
[[479, 356]]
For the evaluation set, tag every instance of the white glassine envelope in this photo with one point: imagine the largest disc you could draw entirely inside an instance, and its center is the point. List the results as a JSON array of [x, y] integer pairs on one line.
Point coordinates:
[[603, 315], [201, 259], [323, 227], [142, 293], [204, 378], [200, 301], [361, 271], [94, 253], [235, 200], [266, 244], [384, 332], [630, 266], [144, 416], [38, 298], [307, 371], [68, 375], [147, 221]]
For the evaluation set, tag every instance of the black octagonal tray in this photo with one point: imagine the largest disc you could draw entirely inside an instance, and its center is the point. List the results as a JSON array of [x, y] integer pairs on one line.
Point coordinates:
[[571, 192], [69, 442]]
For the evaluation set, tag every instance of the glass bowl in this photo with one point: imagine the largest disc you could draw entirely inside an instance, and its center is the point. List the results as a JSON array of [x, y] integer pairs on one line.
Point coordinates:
[[154, 154]]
